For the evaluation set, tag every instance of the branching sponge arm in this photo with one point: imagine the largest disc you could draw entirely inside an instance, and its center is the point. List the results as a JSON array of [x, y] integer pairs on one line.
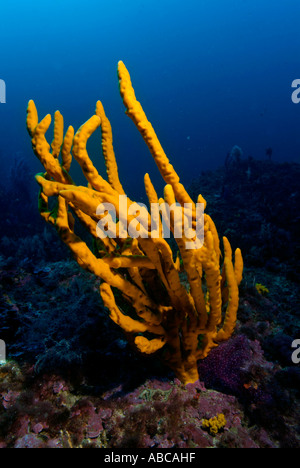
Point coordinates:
[[135, 111]]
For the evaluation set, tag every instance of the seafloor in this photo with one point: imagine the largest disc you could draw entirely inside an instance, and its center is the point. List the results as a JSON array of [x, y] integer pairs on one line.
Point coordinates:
[[72, 380]]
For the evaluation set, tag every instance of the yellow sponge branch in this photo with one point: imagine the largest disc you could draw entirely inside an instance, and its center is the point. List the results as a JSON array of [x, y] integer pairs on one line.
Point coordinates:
[[108, 150], [58, 134], [66, 149]]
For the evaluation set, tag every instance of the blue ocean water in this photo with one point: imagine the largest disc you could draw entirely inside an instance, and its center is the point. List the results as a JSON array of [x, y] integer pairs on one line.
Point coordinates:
[[210, 74]]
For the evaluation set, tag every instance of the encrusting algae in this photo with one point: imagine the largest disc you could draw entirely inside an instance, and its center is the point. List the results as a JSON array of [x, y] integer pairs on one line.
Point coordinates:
[[178, 308]]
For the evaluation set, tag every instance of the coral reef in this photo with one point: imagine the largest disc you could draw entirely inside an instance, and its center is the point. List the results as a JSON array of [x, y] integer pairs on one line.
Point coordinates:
[[180, 315], [72, 380], [47, 413]]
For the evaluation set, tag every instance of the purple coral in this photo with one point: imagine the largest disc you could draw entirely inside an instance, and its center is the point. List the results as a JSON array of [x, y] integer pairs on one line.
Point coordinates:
[[221, 369]]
